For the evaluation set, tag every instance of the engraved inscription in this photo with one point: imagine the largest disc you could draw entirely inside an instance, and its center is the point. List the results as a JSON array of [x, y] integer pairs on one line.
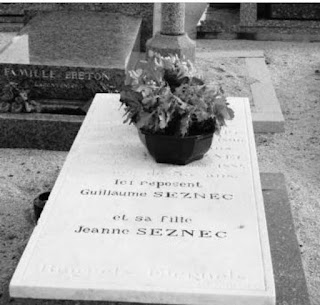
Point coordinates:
[[160, 232], [225, 279], [155, 189], [56, 85], [55, 74], [31, 73], [81, 75]]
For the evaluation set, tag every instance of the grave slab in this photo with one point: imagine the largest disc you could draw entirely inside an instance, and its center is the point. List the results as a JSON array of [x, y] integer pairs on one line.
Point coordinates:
[[39, 131], [72, 54], [267, 115], [291, 287], [120, 227], [290, 282]]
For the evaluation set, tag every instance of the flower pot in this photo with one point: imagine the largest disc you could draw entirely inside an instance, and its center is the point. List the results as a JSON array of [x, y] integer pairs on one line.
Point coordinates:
[[177, 150], [39, 203]]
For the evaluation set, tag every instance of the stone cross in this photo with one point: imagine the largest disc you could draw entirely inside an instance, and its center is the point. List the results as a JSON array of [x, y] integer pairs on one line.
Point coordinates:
[[172, 38]]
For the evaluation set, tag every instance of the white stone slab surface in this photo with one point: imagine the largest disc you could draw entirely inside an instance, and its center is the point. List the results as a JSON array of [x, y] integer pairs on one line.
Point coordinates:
[[120, 227]]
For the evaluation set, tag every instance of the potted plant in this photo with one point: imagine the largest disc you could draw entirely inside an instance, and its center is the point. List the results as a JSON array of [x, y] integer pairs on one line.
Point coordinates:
[[15, 98], [175, 112]]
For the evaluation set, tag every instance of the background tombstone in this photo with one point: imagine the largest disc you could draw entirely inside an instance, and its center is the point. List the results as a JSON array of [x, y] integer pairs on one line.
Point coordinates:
[[71, 55]]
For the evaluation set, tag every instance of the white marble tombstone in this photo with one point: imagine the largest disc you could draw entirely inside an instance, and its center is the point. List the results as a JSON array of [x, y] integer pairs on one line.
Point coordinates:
[[120, 227]]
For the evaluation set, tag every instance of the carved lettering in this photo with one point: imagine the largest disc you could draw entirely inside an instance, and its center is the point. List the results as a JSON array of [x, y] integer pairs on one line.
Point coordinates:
[[56, 85], [30, 73], [74, 75], [51, 74], [24, 72], [116, 231], [7, 71], [188, 233], [82, 75]]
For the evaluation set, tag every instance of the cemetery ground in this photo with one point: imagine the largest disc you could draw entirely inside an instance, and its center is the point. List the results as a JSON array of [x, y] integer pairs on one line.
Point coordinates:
[[24, 173]]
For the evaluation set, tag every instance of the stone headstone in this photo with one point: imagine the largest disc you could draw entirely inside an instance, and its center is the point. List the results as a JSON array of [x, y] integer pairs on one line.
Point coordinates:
[[72, 54], [21, 11], [120, 227], [297, 11]]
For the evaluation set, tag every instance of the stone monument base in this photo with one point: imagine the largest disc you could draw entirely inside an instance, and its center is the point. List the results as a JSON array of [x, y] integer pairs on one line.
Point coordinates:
[[170, 44]]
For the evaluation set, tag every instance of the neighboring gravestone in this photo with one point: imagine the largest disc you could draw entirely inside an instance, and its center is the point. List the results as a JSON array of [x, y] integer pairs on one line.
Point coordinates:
[[120, 227], [72, 54], [297, 11], [19, 11]]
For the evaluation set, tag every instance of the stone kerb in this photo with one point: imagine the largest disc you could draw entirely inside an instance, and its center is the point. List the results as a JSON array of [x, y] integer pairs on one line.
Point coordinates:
[[39, 130], [267, 115]]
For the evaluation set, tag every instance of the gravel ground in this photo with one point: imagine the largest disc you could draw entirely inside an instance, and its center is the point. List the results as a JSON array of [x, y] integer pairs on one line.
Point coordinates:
[[296, 153], [228, 73]]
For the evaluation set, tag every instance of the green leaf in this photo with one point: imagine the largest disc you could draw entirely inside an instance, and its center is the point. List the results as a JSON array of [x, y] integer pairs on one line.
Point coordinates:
[[18, 107], [24, 95], [201, 115], [29, 107], [231, 113], [144, 119], [184, 125], [130, 97], [166, 96], [135, 77], [196, 81], [162, 120]]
